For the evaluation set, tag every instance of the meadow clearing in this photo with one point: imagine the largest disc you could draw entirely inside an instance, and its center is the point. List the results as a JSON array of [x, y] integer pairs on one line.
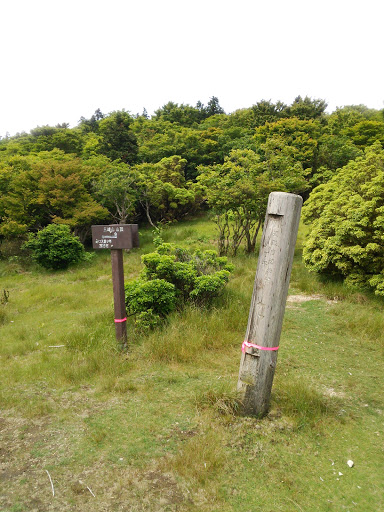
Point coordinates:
[[86, 426]]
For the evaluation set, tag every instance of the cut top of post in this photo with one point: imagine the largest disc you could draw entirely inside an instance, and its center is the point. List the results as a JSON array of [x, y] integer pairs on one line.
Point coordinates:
[[281, 203]]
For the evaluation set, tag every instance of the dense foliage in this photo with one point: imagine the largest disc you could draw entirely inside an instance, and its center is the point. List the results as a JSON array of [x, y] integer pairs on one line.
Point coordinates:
[[54, 247], [347, 216], [182, 160], [172, 277]]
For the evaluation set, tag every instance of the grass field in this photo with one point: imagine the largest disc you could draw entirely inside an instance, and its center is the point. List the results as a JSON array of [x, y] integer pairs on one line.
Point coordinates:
[[157, 428]]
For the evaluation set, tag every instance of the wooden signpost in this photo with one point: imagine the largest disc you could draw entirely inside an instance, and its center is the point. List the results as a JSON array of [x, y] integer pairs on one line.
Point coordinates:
[[258, 360], [117, 237]]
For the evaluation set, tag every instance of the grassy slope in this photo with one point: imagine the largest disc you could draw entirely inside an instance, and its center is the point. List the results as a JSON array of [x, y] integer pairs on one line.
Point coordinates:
[[156, 429]]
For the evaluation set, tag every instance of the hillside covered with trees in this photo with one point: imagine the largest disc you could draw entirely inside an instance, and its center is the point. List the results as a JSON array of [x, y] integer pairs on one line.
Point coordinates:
[[185, 159]]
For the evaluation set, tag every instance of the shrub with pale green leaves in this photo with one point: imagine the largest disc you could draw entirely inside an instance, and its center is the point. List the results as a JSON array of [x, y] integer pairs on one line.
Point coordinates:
[[347, 216], [173, 276]]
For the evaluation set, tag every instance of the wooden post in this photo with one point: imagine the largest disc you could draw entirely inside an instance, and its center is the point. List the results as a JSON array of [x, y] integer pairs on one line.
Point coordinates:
[[258, 360], [117, 237], [119, 295]]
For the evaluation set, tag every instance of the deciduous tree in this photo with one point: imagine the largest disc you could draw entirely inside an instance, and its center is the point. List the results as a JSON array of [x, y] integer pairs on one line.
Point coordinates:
[[163, 191], [237, 193], [116, 189], [44, 189]]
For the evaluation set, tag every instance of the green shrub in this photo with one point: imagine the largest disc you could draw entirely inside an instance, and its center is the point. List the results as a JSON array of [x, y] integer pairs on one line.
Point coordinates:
[[156, 295], [347, 215], [54, 247], [209, 286], [147, 320], [173, 276]]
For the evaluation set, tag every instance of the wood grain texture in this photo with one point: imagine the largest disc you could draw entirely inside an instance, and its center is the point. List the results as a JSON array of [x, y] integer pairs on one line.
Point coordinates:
[[257, 367]]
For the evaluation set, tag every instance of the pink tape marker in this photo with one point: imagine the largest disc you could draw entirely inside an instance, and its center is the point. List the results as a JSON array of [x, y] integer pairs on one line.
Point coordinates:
[[248, 344], [120, 320]]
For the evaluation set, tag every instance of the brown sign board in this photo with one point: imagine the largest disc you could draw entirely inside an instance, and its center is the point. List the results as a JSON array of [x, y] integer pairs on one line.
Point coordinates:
[[115, 236]]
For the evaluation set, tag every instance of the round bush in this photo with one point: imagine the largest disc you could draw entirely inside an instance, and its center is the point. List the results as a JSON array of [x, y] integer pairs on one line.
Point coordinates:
[[347, 217], [54, 247], [156, 295]]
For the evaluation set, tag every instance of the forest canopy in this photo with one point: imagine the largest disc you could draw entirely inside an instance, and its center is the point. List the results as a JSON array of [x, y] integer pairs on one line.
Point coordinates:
[[119, 167]]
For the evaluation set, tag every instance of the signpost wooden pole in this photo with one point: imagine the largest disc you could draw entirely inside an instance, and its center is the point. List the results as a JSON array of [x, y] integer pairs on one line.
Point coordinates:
[[259, 357], [119, 295], [117, 237]]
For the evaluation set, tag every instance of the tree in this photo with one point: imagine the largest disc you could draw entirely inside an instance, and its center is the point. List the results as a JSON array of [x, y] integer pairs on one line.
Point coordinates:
[[267, 112], [43, 131], [299, 136], [343, 119], [213, 107], [92, 124], [307, 108], [118, 142], [183, 115], [365, 133], [163, 139], [19, 205], [237, 193], [334, 152], [163, 192], [91, 145], [116, 189], [62, 125], [47, 188], [347, 218], [67, 140], [46, 138]]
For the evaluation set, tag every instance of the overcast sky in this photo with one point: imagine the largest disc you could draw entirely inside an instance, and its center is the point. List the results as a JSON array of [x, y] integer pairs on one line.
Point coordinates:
[[61, 60]]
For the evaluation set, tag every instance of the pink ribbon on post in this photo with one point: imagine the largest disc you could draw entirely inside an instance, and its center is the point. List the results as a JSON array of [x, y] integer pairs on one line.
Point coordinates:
[[250, 345], [120, 320]]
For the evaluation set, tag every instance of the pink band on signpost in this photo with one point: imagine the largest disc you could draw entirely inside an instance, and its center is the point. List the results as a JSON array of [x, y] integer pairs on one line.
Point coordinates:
[[119, 320], [250, 345]]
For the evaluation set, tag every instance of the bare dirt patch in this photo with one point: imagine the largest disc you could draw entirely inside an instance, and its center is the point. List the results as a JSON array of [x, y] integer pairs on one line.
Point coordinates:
[[299, 299]]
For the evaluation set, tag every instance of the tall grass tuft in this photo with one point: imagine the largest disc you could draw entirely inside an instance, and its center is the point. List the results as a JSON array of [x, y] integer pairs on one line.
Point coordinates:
[[222, 400], [302, 403], [191, 333]]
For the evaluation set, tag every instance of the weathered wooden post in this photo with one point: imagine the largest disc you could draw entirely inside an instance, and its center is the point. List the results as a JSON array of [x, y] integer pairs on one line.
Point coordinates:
[[259, 350], [117, 237]]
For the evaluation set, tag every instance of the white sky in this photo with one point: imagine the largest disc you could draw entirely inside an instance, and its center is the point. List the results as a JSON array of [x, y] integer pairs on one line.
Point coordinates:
[[61, 60]]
